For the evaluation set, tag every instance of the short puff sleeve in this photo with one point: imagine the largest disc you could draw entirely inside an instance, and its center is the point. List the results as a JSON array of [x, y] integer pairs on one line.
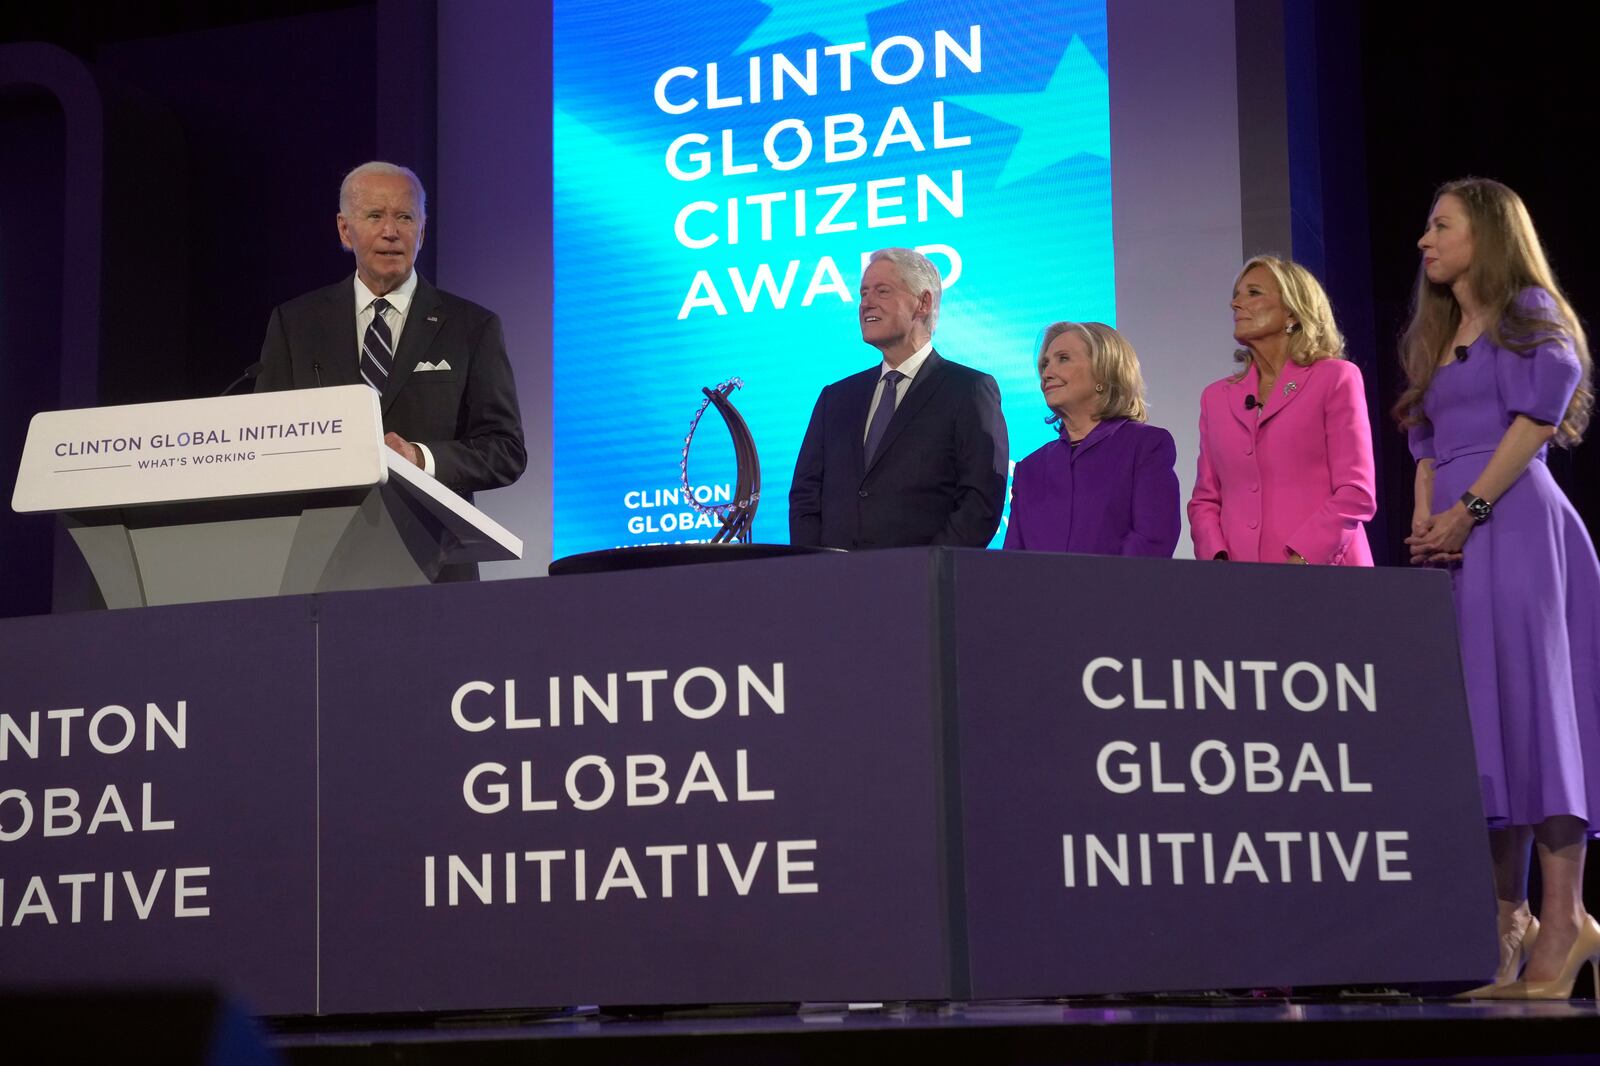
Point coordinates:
[[1540, 383]]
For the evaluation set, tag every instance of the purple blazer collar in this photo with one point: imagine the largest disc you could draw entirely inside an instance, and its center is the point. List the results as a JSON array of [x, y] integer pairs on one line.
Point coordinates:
[[1102, 431]]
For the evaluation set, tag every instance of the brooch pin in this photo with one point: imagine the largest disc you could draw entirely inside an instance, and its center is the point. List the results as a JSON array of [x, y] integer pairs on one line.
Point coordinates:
[[1289, 387]]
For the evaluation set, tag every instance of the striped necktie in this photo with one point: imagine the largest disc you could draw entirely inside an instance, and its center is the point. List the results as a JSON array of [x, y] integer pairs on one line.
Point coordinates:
[[377, 348]]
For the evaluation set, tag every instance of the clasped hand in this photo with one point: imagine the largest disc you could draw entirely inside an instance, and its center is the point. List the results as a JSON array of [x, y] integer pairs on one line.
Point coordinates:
[[1437, 539]]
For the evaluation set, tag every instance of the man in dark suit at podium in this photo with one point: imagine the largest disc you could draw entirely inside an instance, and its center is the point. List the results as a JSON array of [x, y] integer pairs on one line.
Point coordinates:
[[438, 362], [914, 450]]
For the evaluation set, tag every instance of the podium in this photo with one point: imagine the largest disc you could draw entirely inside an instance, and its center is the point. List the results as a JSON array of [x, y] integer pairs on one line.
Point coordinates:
[[246, 496]]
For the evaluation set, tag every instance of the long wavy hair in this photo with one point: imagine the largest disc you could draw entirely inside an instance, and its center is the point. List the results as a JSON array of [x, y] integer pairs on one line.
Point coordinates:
[[1507, 259], [1316, 335]]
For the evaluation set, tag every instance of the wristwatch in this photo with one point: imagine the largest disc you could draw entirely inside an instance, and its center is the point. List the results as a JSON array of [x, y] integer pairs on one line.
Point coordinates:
[[1479, 508]]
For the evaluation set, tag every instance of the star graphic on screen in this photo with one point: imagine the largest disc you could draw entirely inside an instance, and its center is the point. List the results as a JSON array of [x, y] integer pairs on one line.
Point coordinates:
[[1069, 116], [834, 22]]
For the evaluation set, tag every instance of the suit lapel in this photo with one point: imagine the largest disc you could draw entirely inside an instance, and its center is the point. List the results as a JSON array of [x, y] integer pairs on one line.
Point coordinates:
[[1238, 392], [923, 386], [857, 402], [333, 355], [1291, 383], [423, 319]]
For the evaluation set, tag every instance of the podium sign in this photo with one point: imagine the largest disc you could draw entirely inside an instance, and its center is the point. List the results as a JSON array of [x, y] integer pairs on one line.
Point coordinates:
[[264, 495], [184, 450]]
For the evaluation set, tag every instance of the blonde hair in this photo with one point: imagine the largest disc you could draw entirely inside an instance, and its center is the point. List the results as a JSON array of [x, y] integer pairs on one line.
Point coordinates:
[[1112, 363], [1507, 259], [1316, 335]]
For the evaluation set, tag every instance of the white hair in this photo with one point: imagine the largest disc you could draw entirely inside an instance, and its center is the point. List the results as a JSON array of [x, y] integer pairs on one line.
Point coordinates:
[[919, 275], [376, 168]]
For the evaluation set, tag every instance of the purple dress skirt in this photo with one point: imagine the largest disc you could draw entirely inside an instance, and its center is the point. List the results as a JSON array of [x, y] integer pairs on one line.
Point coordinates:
[[1527, 592]]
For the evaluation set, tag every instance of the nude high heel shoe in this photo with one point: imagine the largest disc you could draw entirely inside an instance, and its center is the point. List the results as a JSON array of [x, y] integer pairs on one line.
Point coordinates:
[[1511, 967], [1586, 949]]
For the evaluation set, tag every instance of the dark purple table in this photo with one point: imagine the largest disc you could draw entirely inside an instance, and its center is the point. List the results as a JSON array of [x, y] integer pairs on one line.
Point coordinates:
[[915, 774]]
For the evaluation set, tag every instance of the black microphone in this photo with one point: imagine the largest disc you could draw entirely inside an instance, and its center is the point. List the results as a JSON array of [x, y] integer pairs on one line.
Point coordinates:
[[1251, 403], [316, 368], [1461, 353], [251, 372]]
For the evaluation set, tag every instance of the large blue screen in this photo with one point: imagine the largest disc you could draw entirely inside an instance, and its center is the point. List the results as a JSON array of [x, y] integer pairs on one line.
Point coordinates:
[[721, 170]]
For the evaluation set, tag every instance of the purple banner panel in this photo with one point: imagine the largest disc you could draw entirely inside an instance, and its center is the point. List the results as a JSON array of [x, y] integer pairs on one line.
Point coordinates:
[[158, 799], [1199, 775], [698, 784]]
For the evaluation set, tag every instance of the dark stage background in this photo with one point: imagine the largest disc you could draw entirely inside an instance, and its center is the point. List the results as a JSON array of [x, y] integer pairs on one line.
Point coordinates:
[[1446, 96]]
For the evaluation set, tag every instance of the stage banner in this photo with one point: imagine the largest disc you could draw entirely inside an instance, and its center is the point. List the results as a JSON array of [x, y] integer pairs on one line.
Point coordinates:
[[158, 799], [721, 170], [691, 785], [1199, 775]]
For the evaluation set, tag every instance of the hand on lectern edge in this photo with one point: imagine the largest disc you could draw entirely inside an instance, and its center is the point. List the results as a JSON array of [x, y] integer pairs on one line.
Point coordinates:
[[404, 447]]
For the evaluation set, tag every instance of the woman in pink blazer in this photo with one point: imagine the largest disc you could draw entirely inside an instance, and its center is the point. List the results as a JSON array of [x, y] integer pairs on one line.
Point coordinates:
[[1285, 472]]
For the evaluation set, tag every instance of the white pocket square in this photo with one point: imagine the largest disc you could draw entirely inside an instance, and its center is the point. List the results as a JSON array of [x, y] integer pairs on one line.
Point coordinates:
[[443, 364]]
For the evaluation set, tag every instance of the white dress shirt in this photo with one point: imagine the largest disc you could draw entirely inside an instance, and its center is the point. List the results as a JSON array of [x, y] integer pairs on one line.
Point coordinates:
[[909, 368]]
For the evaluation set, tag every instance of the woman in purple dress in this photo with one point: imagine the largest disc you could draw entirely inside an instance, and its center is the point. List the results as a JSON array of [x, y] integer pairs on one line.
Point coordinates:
[[1106, 486], [1498, 368]]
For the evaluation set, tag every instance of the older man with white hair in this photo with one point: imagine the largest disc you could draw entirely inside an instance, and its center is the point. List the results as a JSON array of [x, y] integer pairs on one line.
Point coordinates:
[[438, 362], [912, 451]]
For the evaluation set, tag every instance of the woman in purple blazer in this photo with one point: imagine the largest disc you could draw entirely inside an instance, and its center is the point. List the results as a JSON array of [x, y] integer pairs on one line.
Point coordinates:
[[1106, 486], [1285, 473]]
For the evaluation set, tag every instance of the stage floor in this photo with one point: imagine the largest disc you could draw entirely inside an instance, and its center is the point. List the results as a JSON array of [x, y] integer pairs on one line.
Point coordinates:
[[1376, 1029]]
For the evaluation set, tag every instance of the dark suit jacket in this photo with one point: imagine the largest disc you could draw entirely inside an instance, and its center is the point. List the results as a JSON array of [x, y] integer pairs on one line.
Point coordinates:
[[467, 415], [939, 476]]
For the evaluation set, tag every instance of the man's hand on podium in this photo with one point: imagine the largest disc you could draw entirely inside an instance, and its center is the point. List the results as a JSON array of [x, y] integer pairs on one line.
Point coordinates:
[[404, 447]]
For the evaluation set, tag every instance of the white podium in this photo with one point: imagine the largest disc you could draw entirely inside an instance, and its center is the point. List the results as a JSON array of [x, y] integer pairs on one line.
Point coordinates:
[[242, 496]]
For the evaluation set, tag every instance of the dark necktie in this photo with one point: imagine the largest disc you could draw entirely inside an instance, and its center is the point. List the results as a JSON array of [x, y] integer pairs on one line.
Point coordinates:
[[880, 418], [377, 348]]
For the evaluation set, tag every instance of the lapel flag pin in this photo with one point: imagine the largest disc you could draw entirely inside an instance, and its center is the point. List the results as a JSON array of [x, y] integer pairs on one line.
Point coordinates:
[[433, 318]]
